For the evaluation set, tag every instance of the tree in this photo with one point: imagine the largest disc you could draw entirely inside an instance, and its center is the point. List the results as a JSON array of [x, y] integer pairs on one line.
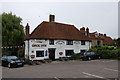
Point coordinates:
[[118, 42], [12, 31]]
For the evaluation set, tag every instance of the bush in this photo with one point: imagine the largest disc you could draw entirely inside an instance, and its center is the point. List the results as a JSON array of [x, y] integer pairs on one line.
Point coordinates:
[[75, 56], [107, 52]]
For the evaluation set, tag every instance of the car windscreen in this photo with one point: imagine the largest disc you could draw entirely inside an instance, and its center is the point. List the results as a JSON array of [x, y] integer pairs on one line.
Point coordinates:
[[11, 57]]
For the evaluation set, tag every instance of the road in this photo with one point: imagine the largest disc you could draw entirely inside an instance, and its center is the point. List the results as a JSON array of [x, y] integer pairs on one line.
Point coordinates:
[[102, 69]]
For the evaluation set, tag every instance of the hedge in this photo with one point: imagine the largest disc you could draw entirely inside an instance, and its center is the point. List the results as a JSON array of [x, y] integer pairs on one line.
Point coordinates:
[[107, 52]]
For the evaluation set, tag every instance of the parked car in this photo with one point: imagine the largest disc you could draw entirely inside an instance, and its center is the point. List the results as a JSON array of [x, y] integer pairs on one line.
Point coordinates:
[[12, 61], [90, 56]]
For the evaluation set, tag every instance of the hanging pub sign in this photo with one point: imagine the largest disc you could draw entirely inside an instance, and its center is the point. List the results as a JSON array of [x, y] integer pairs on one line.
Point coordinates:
[[60, 42], [61, 53], [77, 42]]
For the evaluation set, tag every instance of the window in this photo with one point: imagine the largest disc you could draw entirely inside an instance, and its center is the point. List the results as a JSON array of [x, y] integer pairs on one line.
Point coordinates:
[[98, 42], [39, 53], [69, 42], [51, 42], [92, 53], [87, 53], [69, 52], [82, 42]]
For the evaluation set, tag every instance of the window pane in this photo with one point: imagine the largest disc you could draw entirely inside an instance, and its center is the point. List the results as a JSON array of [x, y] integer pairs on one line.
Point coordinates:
[[82, 42], [39, 53], [92, 53], [87, 53], [51, 42], [69, 42]]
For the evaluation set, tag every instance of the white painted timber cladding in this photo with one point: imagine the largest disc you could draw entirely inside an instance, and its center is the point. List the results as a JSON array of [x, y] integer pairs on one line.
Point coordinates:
[[60, 46]]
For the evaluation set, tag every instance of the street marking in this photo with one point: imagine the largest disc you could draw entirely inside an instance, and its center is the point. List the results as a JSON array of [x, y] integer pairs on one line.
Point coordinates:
[[92, 75], [111, 69], [56, 78], [108, 60]]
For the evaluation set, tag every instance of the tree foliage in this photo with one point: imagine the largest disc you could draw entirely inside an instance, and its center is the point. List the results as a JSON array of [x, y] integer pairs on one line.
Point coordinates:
[[12, 30], [118, 42]]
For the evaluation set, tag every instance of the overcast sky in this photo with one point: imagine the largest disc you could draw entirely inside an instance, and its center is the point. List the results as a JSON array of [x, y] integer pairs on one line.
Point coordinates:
[[98, 16]]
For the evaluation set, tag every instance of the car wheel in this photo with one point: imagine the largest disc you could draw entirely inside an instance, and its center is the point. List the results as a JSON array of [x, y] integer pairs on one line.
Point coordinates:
[[9, 65], [83, 59], [89, 58]]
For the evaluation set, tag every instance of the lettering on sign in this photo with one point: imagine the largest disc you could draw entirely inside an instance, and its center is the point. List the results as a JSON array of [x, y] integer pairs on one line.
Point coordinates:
[[37, 45], [60, 42], [43, 45], [39, 42]]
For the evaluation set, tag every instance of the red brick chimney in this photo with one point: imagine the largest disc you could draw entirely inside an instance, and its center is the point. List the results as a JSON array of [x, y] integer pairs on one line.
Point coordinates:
[[51, 18], [87, 31], [82, 30], [27, 28]]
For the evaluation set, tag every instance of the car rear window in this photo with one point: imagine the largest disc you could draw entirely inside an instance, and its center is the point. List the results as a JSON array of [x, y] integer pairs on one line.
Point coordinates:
[[11, 57], [88, 53], [92, 53]]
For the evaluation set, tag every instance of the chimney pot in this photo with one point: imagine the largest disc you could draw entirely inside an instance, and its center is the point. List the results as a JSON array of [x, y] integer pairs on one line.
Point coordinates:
[[104, 34]]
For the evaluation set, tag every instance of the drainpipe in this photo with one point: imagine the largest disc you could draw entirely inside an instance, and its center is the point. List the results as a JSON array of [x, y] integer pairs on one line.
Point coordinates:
[[28, 49], [27, 36]]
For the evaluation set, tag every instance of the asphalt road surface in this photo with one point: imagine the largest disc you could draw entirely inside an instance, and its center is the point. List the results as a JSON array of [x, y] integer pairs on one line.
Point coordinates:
[[102, 69]]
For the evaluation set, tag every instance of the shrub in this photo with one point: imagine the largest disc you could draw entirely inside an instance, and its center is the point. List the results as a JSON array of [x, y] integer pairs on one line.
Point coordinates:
[[75, 56], [107, 52]]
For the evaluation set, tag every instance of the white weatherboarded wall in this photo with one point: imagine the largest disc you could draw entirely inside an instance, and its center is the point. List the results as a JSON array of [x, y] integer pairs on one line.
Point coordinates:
[[59, 46]]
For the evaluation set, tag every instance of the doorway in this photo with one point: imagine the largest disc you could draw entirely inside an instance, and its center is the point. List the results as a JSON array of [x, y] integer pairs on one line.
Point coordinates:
[[52, 54]]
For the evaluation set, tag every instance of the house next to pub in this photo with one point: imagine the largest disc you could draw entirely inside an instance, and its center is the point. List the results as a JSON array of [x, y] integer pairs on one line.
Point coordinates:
[[98, 38], [51, 40]]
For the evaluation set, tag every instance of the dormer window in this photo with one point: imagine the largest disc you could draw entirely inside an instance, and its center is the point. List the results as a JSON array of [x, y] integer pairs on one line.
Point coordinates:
[[51, 42], [69, 42]]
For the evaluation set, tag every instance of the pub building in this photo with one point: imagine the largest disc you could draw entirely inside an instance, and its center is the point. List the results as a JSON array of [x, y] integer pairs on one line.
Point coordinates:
[[51, 40]]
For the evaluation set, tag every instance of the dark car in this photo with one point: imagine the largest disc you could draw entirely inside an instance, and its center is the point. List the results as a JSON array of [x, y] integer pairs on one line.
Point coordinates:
[[12, 61], [90, 56]]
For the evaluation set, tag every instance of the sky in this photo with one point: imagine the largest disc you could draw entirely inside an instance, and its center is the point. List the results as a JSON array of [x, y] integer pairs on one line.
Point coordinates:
[[100, 16]]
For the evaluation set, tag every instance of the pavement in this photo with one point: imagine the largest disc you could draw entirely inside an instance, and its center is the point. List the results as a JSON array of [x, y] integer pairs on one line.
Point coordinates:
[[66, 70]]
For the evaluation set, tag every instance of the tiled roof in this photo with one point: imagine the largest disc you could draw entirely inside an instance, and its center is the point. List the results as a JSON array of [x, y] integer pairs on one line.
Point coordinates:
[[94, 36], [54, 30], [107, 40]]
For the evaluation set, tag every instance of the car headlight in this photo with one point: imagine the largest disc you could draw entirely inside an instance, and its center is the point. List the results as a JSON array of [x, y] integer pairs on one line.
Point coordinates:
[[12, 62]]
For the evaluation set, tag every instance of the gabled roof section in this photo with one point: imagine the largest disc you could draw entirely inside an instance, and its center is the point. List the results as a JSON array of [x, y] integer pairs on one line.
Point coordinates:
[[55, 30], [95, 35]]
